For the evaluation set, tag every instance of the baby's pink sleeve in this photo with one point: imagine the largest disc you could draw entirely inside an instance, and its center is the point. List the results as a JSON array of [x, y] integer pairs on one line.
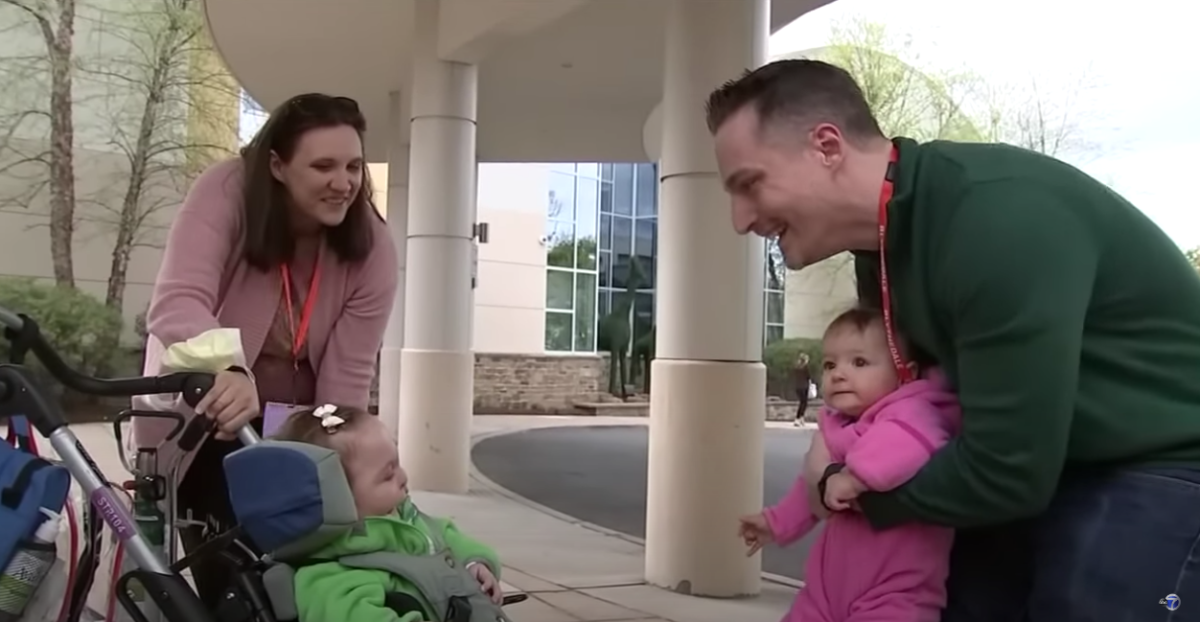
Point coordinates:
[[895, 447], [791, 518]]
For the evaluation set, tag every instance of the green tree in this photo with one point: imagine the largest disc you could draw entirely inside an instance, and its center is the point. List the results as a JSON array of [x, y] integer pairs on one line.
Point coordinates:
[[564, 251], [907, 100]]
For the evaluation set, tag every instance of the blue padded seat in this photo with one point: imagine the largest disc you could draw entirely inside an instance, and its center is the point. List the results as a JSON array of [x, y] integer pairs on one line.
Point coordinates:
[[290, 498]]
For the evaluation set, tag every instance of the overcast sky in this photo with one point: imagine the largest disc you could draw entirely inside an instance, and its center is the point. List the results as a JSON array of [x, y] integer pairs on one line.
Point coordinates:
[[1141, 114]]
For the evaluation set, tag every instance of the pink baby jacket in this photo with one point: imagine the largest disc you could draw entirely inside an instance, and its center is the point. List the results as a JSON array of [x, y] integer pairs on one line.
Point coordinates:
[[854, 572]]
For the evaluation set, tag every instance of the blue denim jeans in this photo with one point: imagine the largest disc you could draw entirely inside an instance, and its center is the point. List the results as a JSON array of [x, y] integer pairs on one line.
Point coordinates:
[[1108, 549]]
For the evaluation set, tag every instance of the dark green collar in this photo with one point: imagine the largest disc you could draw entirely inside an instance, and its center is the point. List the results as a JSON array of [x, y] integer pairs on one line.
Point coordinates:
[[900, 209], [899, 218]]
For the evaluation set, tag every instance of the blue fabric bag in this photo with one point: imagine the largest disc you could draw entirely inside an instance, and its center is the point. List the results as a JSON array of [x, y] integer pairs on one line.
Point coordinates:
[[27, 483]]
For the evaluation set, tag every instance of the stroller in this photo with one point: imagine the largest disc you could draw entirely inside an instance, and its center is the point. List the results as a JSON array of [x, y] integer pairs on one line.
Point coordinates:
[[290, 500]]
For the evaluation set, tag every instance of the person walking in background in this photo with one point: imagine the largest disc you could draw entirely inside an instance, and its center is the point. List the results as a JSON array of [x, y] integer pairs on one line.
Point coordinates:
[[1066, 321], [285, 244], [802, 377]]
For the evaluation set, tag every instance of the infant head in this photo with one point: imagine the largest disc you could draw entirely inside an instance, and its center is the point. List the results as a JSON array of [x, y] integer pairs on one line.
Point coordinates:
[[368, 453], [857, 365]]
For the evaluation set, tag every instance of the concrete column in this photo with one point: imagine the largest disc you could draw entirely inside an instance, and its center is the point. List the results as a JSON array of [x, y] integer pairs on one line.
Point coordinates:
[[437, 386], [707, 404], [397, 218]]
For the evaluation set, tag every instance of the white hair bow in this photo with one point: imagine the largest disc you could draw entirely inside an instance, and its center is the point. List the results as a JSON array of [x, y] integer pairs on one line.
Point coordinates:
[[329, 421]]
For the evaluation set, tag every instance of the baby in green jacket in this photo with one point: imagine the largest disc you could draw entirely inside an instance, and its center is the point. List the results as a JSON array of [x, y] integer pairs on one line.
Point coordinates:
[[391, 523]]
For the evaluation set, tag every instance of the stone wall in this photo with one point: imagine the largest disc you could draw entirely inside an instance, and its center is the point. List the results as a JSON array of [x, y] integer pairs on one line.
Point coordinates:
[[531, 384], [536, 384]]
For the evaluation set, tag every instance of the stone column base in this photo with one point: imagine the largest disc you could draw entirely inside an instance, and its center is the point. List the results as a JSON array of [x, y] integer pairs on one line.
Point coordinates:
[[436, 394], [705, 471]]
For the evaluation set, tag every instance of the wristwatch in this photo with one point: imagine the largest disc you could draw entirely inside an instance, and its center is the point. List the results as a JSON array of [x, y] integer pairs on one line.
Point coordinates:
[[835, 467]]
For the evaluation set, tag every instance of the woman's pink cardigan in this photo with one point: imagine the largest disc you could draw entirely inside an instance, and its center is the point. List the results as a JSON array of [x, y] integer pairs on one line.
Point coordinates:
[[204, 283]]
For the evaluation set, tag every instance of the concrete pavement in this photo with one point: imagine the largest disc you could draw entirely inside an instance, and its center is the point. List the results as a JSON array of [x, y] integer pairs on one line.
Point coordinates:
[[599, 475], [574, 572]]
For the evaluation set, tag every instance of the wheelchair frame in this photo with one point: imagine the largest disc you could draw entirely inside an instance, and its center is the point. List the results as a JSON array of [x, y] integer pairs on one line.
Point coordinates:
[[156, 570]]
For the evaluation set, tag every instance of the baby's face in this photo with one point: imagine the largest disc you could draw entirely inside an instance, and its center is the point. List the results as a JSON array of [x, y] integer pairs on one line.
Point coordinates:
[[377, 480], [858, 369]]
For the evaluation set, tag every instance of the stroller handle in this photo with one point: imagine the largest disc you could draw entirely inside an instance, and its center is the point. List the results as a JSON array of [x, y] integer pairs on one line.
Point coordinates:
[[26, 337]]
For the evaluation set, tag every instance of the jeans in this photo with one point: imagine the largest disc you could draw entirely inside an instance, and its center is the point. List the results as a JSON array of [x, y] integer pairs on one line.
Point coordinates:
[[1108, 549]]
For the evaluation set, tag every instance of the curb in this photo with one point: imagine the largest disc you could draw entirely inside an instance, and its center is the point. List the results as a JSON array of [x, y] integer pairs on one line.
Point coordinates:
[[492, 486]]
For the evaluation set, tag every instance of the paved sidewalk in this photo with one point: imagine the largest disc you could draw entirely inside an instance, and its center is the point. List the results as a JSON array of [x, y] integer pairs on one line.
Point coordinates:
[[573, 572]]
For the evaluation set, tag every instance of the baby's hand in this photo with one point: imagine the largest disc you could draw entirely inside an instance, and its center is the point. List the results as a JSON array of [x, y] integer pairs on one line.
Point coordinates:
[[487, 582], [841, 489], [755, 532]]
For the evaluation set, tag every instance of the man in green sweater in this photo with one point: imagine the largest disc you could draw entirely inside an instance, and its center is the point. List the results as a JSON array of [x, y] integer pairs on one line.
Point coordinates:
[[1068, 323]]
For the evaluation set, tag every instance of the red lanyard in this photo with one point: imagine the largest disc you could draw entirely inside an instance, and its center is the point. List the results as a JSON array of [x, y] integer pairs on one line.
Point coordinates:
[[885, 197], [300, 334]]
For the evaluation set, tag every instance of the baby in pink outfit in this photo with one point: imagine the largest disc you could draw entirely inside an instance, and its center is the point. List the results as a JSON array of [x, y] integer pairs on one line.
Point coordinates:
[[883, 432]]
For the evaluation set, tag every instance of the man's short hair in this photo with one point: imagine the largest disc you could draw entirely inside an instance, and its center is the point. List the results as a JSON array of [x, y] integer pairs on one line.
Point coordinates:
[[799, 91]]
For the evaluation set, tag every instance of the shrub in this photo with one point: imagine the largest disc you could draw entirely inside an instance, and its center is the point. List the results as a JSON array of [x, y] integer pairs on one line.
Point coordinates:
[[79, 326], [780, 359]]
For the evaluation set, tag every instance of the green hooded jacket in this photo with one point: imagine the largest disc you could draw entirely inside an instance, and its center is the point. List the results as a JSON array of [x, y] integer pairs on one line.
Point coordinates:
[[332, 592]]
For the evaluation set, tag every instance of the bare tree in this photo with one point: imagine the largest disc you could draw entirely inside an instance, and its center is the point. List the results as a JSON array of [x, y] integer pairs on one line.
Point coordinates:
[[172, 107], [1039, 119], [54, 21]]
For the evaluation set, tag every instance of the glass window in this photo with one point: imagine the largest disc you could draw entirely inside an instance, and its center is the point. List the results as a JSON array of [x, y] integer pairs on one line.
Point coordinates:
[[563, 167], [643, 312], [623, 189], [586, 207], [622, 245], [644, 247], [605, 269], [774, 333], [604, 304], [606, 231], [776, 271], [558, 331], [606, 171], [620, 271], [646, 238], [775, 307], [622, 235], [647, 190], [588, 169], [561, 205], [606, 197], [560, 289], [560, 244], [585, 312]]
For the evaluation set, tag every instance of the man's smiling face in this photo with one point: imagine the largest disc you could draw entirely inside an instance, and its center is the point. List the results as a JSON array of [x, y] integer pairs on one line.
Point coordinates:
[[781, 182]]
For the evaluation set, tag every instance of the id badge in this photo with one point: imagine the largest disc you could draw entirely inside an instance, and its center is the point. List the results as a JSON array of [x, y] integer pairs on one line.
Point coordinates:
[[274, 414]]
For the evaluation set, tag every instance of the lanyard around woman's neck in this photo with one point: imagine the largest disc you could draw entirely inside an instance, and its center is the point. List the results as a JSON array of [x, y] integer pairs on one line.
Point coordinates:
[[300, 332], [889, 327]]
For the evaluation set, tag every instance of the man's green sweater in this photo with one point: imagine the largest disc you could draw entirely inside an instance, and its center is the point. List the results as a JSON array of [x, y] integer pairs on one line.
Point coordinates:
[[1067, 321]]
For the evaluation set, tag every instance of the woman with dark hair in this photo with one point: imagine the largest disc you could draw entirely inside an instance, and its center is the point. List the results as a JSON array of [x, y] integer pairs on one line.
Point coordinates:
[[283, 243]]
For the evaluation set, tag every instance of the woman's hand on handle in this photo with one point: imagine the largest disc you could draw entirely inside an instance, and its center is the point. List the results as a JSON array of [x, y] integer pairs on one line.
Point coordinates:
[[231, 403]]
